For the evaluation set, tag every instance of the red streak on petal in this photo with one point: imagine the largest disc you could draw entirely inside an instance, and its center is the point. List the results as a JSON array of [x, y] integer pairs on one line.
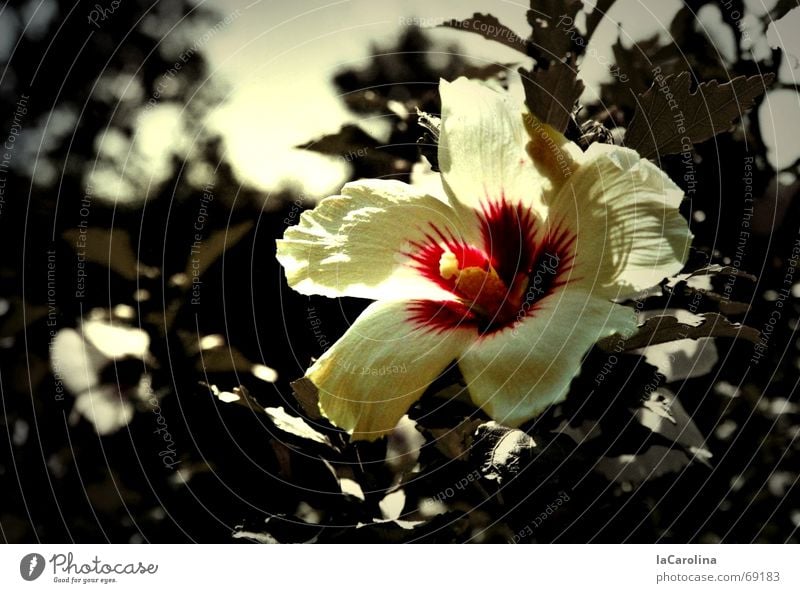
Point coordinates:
[[531, 269], [509, 233], [426, 255], [440, 316]]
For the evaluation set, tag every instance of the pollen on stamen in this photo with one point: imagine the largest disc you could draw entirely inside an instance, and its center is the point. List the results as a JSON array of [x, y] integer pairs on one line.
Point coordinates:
[[448, 265]]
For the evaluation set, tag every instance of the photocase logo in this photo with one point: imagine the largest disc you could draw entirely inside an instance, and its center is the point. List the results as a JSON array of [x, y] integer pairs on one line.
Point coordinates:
[[31, 566]]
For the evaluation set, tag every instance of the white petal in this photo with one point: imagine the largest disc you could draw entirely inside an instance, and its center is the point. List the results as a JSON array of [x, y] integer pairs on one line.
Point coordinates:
[[75, 362], [482, 148], [105, 408], [370, 378], [624, 213], [516, 373], [354, 244]]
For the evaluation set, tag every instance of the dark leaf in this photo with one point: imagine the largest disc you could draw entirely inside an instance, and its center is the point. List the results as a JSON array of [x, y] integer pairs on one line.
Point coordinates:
[[111, 248], [504, 452], [430, 123], [355, 146], [669, 112], [594, 18], [551, 94], [489, 71], [635, 64], [22, 315], [780, 9], [350, 139], [593, 131], [429, 142], [488, 27], [307, 395], [280, 418], [224, 359], [666, 328], [663, 414], [214, 246], [724, 271], [694, 296], [455, 443], [552, 36], [651, 463]]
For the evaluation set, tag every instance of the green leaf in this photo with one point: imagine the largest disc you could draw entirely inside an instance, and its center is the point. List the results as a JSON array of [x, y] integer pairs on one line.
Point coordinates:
[[551, 94], [669, 115]]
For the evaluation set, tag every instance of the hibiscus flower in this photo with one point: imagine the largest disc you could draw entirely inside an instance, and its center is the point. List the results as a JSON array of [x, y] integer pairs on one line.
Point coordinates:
[[511, 270]]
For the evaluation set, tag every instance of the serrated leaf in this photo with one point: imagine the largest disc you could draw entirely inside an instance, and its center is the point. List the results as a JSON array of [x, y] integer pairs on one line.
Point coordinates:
[[488, 27], [666, 328], [669, 114], [551, 41], [636, 64], [551, 94], [349, 138], [594, 18]]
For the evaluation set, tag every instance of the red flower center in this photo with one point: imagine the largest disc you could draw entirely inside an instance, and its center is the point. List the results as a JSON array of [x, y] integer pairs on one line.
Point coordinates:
[[499, 282]]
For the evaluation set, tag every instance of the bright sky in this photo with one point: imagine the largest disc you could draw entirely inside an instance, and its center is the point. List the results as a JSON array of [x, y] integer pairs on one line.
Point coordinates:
[[279, 58]]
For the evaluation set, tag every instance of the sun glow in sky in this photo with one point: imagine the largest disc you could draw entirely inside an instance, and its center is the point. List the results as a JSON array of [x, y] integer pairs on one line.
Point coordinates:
[[278, 59]]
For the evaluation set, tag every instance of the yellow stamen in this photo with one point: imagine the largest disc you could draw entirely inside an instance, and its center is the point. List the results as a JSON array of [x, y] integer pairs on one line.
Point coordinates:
[[481, 288]]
